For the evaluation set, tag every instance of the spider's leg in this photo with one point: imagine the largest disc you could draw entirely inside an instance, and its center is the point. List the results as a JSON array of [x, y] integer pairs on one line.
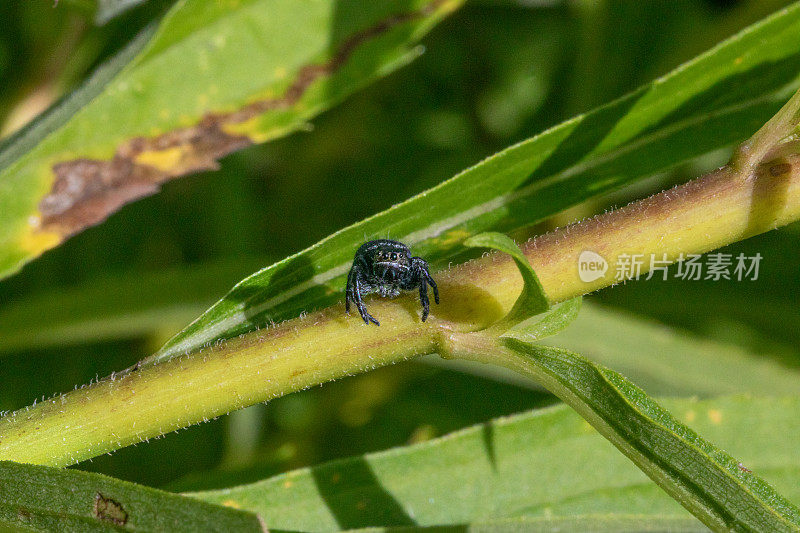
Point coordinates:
[[362, 309], [348, 291], [429, 279], [425, 276], [423, 298], [420, 279]]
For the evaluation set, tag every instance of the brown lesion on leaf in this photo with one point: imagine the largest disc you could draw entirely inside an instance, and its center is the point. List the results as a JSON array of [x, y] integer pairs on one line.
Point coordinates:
[[109, 510], [86, 191]]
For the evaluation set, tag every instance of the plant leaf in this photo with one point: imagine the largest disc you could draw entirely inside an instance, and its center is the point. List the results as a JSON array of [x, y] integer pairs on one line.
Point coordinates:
[[532, 300], [109, 9], [216, 77], [33, 133], [129, 305], [547, 324], [717, 99], [543, 463], [563, 524], [54, 499], [703, 478], [665, 361]]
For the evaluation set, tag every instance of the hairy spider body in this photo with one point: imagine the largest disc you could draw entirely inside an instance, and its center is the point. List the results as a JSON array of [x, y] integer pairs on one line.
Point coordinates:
[[386, 267]]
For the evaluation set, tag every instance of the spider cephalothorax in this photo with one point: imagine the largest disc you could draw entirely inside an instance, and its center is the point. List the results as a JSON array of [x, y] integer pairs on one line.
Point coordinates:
[[386, 267]]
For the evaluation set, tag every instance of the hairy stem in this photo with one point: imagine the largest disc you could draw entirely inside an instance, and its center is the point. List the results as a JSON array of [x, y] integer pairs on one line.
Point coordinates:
[[742, 199]]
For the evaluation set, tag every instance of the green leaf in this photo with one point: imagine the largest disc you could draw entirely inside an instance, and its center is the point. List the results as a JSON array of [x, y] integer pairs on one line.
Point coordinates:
[[33, 133], [547, 324], [715, 100], [547, 463], [703, 478], [532, 300], [662, 360], [596, 523], [214, 78], [129, 305], [109, 9], [665, 361], [53, 499]]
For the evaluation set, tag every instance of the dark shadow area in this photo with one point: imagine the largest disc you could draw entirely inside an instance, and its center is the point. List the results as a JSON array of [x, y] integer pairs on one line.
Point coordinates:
[[295, 271], [764, 79], [487, 436], [355, 28], [355, 496], [586, 136], [352, 17], [771, 183], [462, 303]]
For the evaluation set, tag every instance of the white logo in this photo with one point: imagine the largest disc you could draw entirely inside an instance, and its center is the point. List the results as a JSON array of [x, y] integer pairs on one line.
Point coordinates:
[[591, 266]]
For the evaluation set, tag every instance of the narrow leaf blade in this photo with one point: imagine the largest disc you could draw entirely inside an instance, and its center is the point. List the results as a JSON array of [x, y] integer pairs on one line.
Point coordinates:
[[668, 361], [703, 478], [599, 523], [54, 499], [547, 324], [533, 299]]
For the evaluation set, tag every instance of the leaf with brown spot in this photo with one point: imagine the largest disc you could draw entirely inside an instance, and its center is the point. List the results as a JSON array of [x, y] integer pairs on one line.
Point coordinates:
[[54, 499], [199, 89], [109, 510]]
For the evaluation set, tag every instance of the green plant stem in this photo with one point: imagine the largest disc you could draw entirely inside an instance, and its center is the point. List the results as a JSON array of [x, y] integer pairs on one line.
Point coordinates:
[[726, 205], [769, 138], [125, 409]]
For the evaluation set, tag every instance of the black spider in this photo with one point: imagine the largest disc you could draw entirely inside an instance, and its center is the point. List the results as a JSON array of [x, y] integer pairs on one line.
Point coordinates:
[[386, 267]]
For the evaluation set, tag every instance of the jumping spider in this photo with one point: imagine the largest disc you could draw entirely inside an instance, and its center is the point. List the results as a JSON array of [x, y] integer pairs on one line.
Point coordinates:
[[386, 267]]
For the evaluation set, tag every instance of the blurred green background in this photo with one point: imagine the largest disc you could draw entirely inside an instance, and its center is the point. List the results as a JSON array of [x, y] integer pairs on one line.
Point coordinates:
[[493, 74]]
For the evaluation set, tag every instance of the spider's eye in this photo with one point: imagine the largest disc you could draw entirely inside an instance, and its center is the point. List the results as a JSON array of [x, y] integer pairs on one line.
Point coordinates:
[[394, 257]]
